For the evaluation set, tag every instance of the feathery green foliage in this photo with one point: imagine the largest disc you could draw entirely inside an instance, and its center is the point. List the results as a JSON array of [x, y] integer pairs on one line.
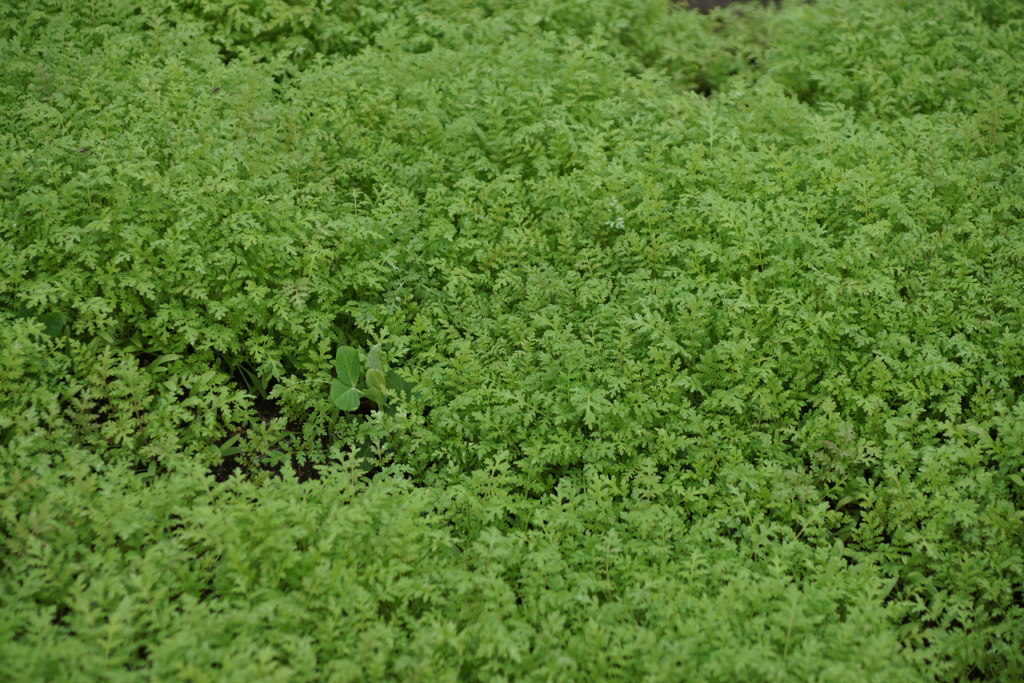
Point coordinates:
[[705, 337]]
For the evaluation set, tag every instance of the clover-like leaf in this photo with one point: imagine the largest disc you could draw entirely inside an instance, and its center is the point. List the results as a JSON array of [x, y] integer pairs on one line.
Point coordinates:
[[347, 364], [345, 396]]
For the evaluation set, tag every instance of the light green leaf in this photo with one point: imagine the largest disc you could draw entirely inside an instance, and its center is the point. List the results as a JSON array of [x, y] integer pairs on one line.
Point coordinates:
[[345, 396], [373, 360], [376, 385], [347, 365]]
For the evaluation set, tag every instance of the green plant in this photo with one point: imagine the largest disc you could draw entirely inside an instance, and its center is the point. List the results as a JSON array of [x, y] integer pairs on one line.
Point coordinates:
[[379, 383], [719, 320]]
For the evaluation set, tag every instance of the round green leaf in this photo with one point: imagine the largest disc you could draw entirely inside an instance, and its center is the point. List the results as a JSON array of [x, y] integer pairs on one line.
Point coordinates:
[[347, 365], [345, 396]]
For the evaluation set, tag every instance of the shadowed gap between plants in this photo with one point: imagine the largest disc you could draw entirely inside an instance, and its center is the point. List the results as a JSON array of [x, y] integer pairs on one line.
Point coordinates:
[[705, 6], [267, 410]]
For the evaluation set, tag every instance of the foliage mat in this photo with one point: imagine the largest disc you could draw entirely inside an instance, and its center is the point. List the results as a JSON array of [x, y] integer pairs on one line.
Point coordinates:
[[555, 340]]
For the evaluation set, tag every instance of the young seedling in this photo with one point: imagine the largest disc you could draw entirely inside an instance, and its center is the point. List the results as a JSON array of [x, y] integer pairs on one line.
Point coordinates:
[[379, 383], [344, 394]]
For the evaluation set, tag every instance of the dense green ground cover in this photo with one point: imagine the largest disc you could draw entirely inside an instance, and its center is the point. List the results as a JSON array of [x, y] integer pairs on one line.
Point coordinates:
[[717, 324]]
